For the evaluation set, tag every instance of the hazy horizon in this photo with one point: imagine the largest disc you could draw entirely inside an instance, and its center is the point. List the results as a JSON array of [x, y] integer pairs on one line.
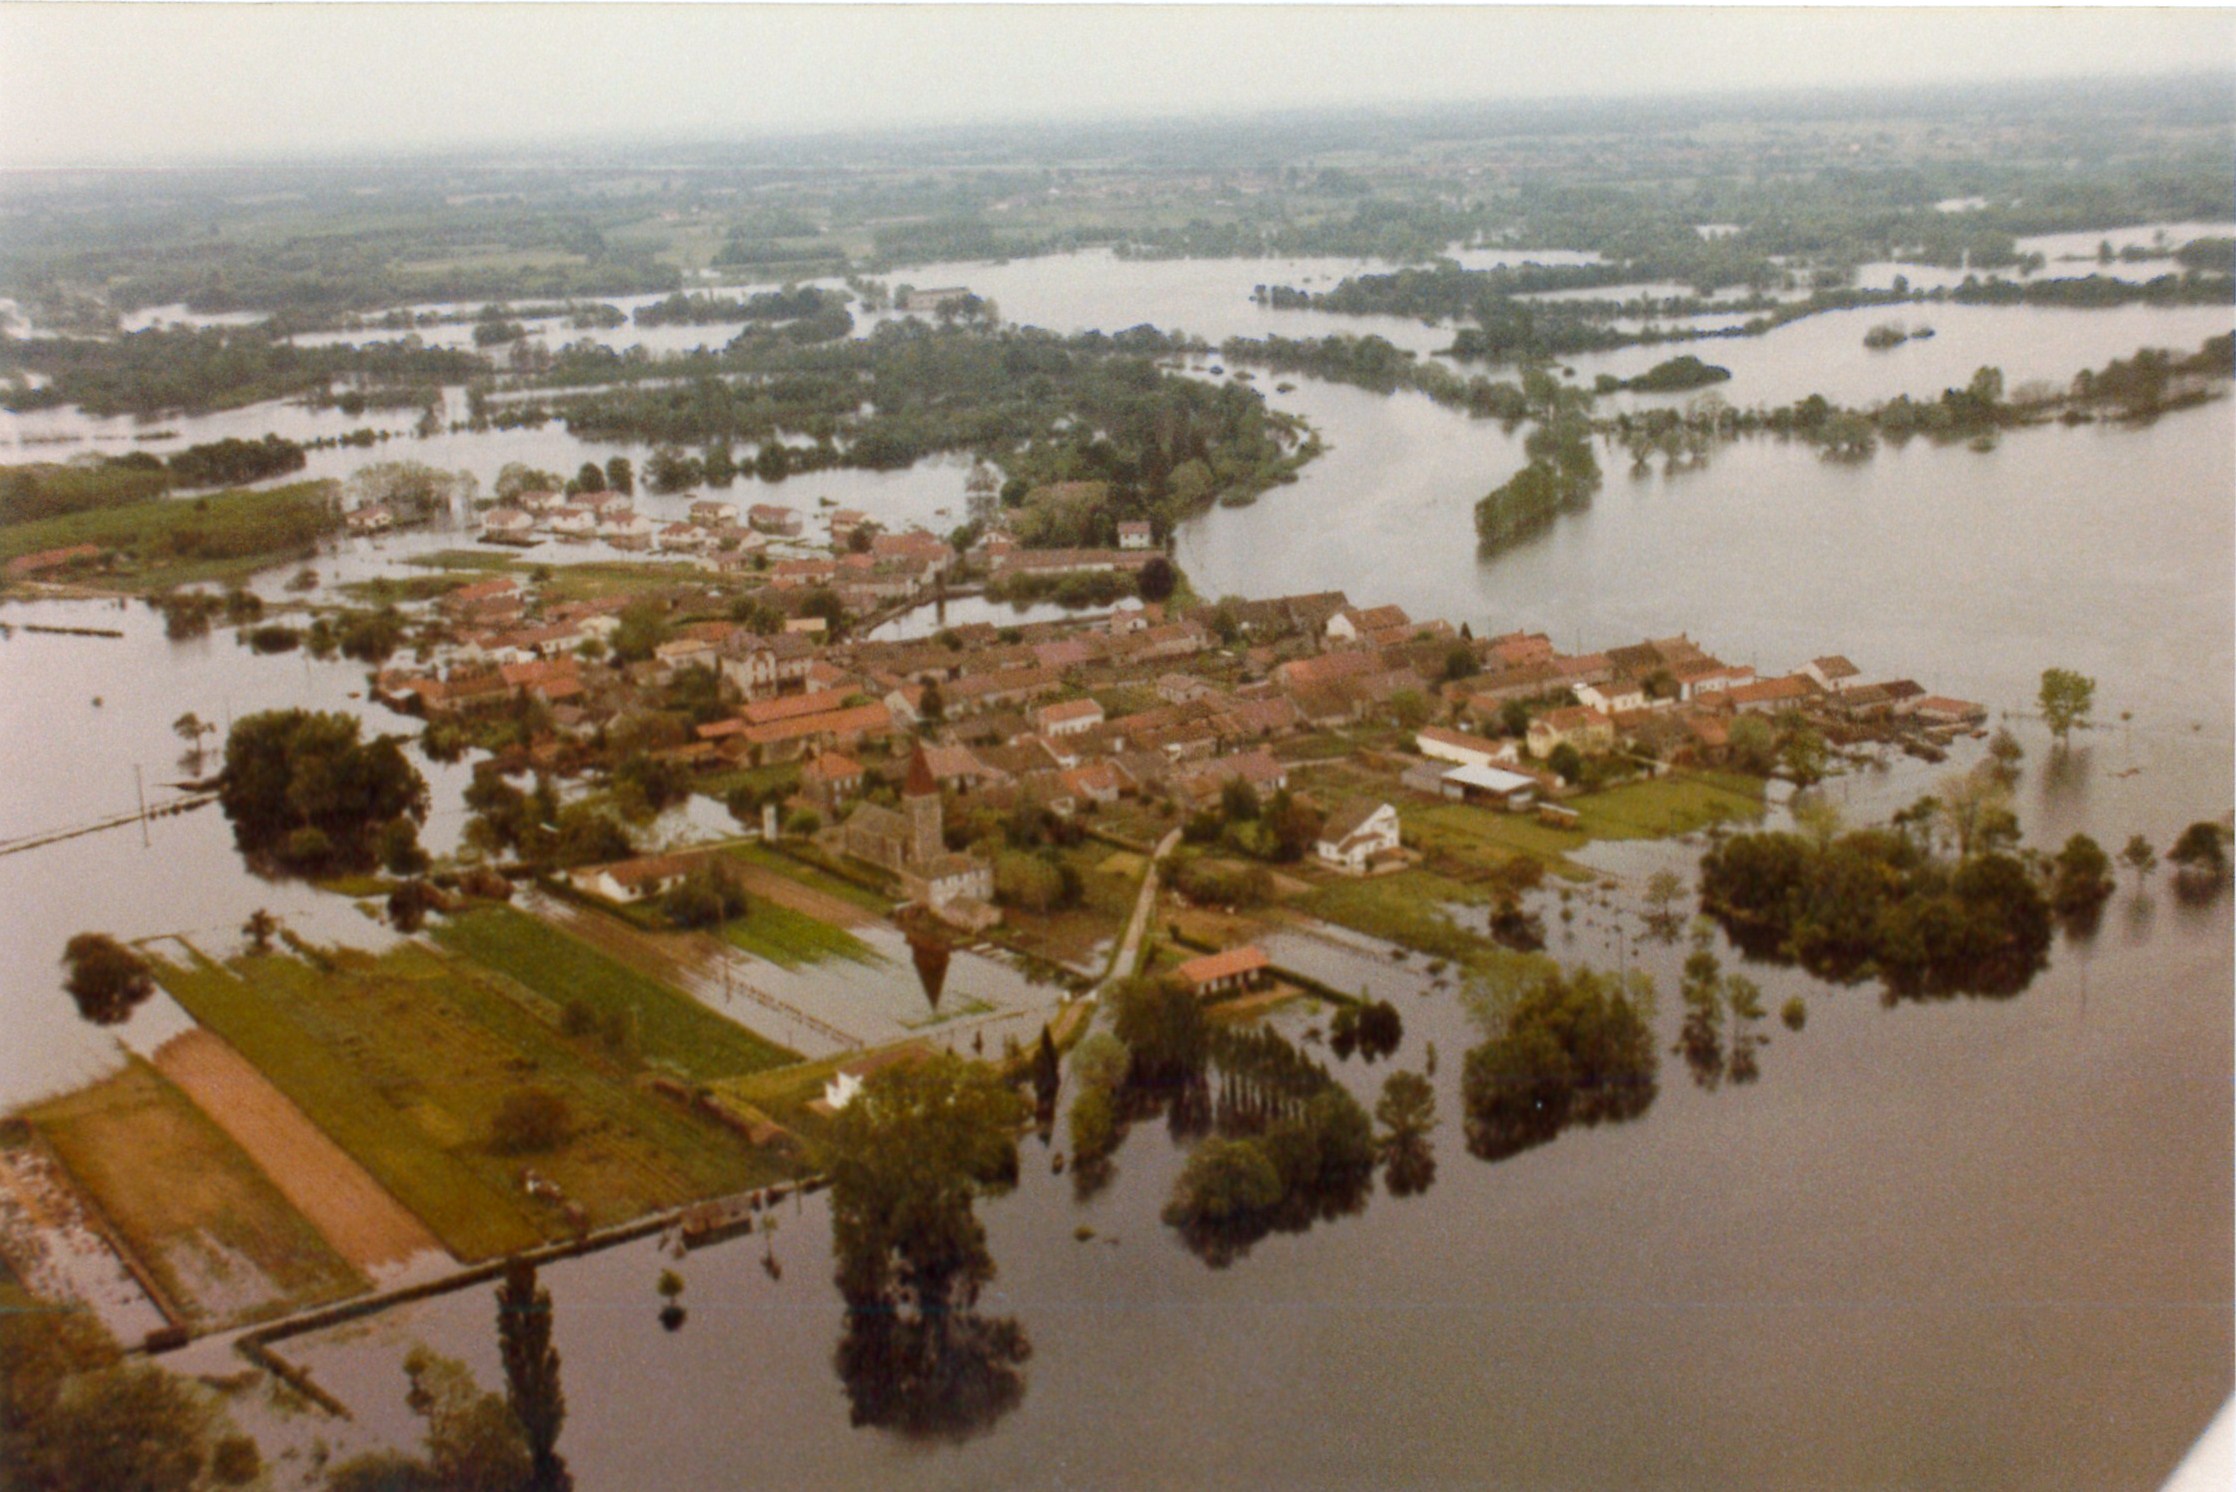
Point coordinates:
[[164, 85]]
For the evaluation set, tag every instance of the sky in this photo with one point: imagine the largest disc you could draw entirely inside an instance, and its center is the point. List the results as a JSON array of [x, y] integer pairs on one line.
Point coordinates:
[[156, 84]]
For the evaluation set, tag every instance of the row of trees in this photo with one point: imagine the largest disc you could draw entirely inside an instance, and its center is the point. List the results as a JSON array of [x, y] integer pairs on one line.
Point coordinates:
[[1561, 476]]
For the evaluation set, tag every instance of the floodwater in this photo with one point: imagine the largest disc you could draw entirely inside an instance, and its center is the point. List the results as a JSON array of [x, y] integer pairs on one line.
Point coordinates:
[[1947, 1245], [1824, 354], [1970, 1244], [77, 716]]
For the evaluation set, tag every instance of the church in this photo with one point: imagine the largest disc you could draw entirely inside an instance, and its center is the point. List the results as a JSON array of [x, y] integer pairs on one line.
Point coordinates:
[[911, 845]]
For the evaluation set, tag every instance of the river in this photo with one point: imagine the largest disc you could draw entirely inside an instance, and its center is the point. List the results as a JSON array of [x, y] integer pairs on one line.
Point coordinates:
[[1971, 1244]]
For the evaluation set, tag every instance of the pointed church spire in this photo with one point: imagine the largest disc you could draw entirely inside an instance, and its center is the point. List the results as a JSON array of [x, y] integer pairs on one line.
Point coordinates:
[[921, 782]]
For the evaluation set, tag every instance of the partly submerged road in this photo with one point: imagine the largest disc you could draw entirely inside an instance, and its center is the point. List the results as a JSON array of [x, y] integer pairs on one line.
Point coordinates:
[[1145, 908]]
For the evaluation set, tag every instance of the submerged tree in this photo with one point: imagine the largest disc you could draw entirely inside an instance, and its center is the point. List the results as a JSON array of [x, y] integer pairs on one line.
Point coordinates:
[[2140, 858], [908, 1159], [1575, 1049], [1161, 1022], [1407, 1113], [2066, 698], [2081, 878], [472, 1443], [304, 793], [74, 1415], [1319, 1156], [2201, 854], [1048, 1077], [108, 980]]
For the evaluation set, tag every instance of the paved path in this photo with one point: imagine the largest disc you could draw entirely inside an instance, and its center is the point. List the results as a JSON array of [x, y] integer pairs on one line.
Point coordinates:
[[1145, 908]]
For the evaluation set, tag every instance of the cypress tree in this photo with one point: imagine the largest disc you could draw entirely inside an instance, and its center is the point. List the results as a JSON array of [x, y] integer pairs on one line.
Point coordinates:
[[1047, 1072], [532, 1372]]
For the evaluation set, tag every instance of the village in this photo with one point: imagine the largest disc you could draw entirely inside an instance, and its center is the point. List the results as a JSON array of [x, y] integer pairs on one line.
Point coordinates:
[[1285, 743]]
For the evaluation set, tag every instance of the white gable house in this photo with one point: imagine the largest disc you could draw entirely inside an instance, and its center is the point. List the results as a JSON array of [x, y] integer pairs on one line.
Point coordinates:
[[1355, 838]]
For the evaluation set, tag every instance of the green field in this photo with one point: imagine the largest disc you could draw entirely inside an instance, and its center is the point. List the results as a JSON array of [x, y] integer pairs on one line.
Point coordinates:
[[783, 936], [353, 1092], [179, 541], [1403, 908], [592, 580], [1110, 881], [674, 1030], [404, 1059], [1676, 804], [383, 591]]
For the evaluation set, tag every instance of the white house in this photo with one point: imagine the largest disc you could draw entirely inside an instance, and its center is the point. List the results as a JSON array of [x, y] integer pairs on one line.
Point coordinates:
[[574, 522], [1134, 535], [1068, 718], [1355, 837], [1612, 696], [510, 525], [774, 518], [713, 514], [629, 881], [627, 530], [1833, 674], [1351, 623]]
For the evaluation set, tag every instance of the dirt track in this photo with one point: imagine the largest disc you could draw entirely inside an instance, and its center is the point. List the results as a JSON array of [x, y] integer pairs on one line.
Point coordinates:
[[365, 1224]]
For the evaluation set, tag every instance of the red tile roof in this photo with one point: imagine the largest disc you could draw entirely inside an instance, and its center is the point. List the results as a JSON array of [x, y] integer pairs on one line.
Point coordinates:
[[1226, 964]]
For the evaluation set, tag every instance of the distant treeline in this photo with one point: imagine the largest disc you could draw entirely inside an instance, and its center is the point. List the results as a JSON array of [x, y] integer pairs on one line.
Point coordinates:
[[49, 489], [192, 370], [790, 304], [2149, 383], [1510, 326], [1561, 475], [1089, 408]]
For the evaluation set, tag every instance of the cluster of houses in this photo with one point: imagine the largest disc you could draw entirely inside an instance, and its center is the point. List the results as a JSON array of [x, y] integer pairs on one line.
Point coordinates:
[[712, 527], [1136, 704]]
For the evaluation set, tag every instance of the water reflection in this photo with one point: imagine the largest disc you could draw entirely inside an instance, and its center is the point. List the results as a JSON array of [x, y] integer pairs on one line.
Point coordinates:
[[935, 1375]]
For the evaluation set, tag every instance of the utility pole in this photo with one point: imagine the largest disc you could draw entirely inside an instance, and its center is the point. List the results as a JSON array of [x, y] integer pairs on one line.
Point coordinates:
[[140, 789]]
